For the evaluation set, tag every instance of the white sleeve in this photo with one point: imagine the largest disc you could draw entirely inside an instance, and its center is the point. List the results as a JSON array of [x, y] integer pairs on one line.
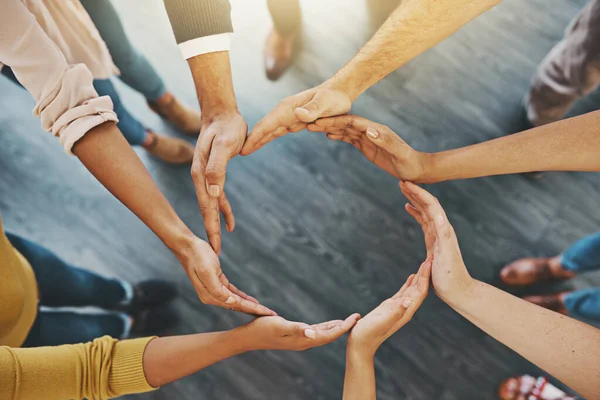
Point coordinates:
[[204, 45]]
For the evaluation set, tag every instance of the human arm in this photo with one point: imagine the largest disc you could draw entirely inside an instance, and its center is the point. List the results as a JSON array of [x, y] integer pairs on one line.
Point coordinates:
[[70, 108], [202, 30], [565, 348], [567, 145], [375, 328], [109, 368], [415, 26]]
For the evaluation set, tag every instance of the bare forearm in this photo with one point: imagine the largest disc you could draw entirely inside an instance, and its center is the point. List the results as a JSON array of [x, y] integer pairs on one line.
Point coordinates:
[[568, 145], [107, 155], [359, 383], [171, 358], [414, 27], [214, 84], [565, 348]]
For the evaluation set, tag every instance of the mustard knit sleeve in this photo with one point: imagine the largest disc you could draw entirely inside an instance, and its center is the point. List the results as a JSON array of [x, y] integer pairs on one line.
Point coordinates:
[[102, 369]]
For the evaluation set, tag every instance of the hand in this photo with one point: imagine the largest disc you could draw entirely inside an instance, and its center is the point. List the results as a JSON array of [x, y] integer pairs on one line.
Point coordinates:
[[295, 112], [221, 139], [378, 143], [449, 274], [202, 267], [276, 333], [381, 323]]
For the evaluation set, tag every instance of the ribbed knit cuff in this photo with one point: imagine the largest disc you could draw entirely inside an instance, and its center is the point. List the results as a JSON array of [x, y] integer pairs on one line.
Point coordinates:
[[192, 19], [127, 372]]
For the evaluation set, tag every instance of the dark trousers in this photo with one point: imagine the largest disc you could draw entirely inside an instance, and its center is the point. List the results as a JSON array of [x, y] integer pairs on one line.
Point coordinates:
[[63, 285]]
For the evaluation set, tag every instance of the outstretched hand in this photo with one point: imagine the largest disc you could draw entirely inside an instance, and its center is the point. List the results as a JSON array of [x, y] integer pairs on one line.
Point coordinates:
[[295, 112], [277, 333], [449, 274], [378, 143], [381, 323], [212, 286]]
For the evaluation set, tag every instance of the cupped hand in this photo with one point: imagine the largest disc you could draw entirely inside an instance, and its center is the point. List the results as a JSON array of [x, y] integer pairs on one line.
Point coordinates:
[[204, 270], [220, 140], [295, 112], [276, 333], [378, 143], [381, 323], [449, 274]]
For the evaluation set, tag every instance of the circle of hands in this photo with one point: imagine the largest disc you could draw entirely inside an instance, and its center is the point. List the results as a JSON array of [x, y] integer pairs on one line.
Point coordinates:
[[318, 110]]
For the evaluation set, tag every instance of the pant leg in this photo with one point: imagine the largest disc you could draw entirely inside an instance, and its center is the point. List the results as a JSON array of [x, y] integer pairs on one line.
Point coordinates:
[[132, 129], [571, 69], [286, 15], [63, 285], [583, 255], [584, 303], [136, 70], [55, 328]]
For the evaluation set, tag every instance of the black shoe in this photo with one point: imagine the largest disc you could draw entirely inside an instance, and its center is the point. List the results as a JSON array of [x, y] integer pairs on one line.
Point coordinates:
[[152, 293], [154, 321]]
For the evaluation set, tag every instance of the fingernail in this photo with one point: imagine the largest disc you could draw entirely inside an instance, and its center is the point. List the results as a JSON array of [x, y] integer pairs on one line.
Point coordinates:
[[310, 333], [372, 133], [214, 190], [230, 300], [407, 302]]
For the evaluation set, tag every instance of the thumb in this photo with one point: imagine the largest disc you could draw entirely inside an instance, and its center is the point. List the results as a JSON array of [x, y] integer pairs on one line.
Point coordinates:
[[216, 170], [310, 111], [386, 140]]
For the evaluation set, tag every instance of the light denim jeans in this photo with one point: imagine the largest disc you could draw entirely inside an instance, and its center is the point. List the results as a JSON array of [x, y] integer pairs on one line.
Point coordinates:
[[583, 255]]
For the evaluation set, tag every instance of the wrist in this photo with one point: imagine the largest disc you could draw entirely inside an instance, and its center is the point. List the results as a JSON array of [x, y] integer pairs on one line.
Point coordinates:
[[240, 341], [427, 165], [359, 355], [219, 113], [462, 295], [340, 82], [183, 243]]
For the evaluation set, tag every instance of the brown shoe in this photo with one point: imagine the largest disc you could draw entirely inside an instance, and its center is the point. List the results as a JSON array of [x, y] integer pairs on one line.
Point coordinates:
[[528, 271], [279, 54], [554, 302], [183, 117], [171, 150]]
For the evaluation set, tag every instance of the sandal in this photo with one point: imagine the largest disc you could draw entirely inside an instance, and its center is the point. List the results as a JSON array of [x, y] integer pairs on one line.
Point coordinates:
[[526, 387]]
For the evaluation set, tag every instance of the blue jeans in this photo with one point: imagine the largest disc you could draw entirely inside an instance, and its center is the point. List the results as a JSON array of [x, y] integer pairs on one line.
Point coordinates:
[[132, 129], [136, 71], [583, 256], [63, 285]]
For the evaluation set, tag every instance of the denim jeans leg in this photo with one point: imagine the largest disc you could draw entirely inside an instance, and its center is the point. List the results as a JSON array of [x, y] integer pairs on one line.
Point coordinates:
[[584, 303], [583, 255]]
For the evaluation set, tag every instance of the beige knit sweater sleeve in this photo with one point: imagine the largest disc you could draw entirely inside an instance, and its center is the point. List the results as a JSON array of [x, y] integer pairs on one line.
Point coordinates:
[[66, 101], [192, 19]]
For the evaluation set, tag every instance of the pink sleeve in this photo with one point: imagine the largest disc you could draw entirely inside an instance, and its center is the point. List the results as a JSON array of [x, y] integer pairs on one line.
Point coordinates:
[[66, 101]]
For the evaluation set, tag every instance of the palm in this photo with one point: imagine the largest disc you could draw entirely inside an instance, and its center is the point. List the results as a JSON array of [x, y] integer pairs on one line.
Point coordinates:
[[377, 156]]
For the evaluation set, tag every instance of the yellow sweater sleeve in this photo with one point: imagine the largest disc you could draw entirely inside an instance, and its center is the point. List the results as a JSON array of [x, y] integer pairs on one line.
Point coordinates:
[[102, 369]]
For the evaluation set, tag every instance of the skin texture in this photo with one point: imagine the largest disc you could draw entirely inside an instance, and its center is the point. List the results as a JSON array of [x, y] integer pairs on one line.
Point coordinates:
[[221, 138], [375, 328], [106, 154], [568, 145], [415, 26], [171, 358], [565, 348]]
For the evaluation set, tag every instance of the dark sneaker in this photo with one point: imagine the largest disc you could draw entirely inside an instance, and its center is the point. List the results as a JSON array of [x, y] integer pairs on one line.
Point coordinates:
[[154, 321], [152, 293]]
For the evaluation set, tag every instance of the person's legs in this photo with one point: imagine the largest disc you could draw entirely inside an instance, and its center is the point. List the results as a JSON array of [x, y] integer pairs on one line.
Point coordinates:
[[56, 327], [282, 40], [571, 69], [136, 70], [583, 255], [583, 303], [63, 285]]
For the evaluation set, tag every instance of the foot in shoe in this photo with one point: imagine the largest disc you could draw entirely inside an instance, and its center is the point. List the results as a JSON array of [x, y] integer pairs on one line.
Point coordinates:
[[554, 302], [279, 54], [168, 149], [154, 321], [528, 271], [152, 293], [183, 117]]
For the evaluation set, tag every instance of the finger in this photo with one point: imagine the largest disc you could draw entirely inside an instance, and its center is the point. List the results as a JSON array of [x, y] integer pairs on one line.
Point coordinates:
[[297, 127], [227, 212], [344, 122], [327, 324], [216, 167], [337, 330], [225, 282], [414, 213], [236, 303], [208, 206], [310, 111], [300, 329], [404, 287], [387, 140]]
